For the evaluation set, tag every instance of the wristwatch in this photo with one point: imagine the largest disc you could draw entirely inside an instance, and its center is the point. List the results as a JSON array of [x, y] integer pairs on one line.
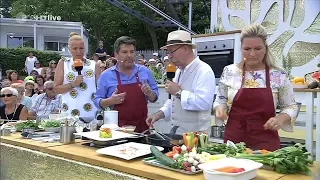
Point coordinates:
[[178, 94]]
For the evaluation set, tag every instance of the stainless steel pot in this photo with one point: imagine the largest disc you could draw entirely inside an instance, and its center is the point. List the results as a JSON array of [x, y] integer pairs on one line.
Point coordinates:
[[66, 134], [217, 131]]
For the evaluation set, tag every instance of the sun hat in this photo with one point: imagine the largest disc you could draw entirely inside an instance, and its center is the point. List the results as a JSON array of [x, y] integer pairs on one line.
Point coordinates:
[[179, 37]]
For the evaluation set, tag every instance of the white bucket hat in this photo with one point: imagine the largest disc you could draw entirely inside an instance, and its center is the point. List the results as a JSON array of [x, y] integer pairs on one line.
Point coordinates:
[[152, 60], [179, 37]]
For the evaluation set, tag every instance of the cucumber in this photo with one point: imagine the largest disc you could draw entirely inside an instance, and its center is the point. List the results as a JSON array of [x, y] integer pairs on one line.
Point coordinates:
[[163, 159]]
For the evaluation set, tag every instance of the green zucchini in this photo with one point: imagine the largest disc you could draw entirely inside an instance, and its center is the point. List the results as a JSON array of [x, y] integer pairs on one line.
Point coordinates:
[[163, 159]]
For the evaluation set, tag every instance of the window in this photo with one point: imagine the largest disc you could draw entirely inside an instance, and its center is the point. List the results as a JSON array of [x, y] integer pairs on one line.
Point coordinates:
[[16, 42], [51, 46], [63, 47], [56, 46]]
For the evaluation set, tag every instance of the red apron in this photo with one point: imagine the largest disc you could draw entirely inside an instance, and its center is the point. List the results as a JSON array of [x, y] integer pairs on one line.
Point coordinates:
[[251, 109], [133, 110]]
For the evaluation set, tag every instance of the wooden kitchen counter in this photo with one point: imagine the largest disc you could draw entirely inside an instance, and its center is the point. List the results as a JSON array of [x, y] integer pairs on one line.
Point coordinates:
[[17, 140], [79, 152], [306, 90]]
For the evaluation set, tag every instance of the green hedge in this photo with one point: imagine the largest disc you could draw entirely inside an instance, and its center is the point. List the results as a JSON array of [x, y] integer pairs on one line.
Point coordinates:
[[15, 58]]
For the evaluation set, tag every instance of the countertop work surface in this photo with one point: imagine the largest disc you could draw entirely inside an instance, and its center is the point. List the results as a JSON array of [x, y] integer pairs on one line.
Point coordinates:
[[86, 154]]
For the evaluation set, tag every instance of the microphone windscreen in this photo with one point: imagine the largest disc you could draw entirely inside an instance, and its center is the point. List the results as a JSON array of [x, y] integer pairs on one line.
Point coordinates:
[[77, 63], [171, 70]]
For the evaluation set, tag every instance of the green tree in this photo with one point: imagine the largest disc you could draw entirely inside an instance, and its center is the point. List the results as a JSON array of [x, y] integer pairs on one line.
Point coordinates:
[[5, 8], [106, 22]]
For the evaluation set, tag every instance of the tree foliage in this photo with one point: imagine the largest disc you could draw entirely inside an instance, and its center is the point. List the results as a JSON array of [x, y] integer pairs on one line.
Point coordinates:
[[106, 22]]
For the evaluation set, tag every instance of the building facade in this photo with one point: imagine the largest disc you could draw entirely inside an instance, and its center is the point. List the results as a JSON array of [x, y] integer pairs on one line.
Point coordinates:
[[44, 35]]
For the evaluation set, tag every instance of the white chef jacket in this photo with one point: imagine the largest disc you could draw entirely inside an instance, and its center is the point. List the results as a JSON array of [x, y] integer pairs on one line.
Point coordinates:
[[200, 98]]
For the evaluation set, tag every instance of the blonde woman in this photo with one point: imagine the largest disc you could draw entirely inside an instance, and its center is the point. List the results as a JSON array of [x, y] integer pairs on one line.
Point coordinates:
[[51, 69], [77, 90], [249, 92], [12, 111]]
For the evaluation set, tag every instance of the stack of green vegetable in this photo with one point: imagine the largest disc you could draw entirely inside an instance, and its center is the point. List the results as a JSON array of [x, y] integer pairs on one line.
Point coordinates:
[[222, 149], [27, 124], [288, 160], [50, 124]]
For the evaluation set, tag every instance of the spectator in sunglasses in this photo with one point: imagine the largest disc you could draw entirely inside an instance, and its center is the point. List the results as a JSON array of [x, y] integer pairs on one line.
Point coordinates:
[[51, 69], [38, 67], [46, 103], [12, 111]]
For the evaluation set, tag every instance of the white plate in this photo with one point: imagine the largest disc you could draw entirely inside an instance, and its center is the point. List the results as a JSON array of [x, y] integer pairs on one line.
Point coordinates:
[[94, 135], [250, 167], [127, 151]]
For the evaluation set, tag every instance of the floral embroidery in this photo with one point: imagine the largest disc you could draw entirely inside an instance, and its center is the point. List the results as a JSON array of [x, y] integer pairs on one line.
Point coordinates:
[[256, 76], [64, 107], [87, 107], [88, 73], [83, 86], [70, 77], [87, 62], [73, 93], [275, 78], [92, 96], [250, 83], [75, 112], [65, 59]]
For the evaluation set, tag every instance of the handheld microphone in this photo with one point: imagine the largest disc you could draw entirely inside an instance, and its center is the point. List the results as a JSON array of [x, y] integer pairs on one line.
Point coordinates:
[[78, 65], [171, 72]]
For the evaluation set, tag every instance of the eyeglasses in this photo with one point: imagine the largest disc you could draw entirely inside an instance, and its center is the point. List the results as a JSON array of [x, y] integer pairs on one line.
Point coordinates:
[[174, 50], [6, 95]]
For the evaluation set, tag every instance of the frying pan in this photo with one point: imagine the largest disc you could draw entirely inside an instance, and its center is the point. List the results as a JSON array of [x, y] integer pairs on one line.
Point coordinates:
[[170, 140]]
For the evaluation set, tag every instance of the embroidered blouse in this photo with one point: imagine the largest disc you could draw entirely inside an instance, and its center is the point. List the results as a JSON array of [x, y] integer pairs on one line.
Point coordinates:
[[282, 91]]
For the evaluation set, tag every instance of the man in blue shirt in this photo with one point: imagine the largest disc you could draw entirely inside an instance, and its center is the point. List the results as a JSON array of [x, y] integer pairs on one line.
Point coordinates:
[[127, 87]]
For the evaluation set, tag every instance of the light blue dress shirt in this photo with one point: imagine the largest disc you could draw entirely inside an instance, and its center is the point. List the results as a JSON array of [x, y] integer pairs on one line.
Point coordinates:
[[107, 82]]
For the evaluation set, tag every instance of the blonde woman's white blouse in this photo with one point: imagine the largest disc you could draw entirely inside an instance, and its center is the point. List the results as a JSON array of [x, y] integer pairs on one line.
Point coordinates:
[[282, 91]]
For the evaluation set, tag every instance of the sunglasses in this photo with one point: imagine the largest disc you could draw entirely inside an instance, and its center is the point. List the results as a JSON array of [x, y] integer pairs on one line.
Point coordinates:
[[6, 95]]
